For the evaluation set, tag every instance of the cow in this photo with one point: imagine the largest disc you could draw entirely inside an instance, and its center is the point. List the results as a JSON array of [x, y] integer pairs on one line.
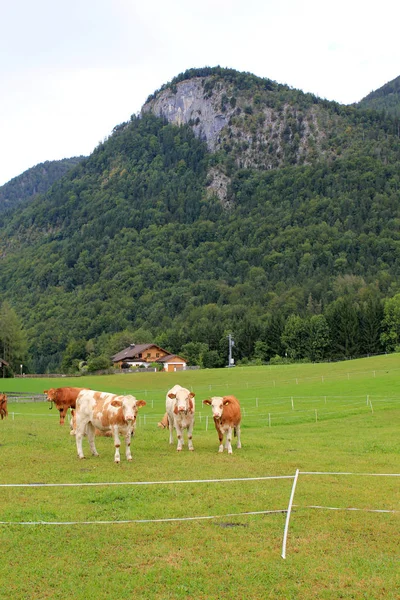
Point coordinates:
[[72, 426], [106, 412], [227, 417], [180, 408], [164, 423], [64, 398], [3, 406]]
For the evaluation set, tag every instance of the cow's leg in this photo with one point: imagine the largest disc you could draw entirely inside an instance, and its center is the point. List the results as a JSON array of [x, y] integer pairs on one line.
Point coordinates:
[[80, 432], [117, 444], [179, 434], [228, 444], [221, 439], [128, 437], [72, 423], [90, 431], [171, 430], [239, 445], [190, 435]]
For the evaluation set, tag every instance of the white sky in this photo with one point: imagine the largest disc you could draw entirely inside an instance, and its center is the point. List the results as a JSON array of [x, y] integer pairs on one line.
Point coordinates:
[[70, 71]]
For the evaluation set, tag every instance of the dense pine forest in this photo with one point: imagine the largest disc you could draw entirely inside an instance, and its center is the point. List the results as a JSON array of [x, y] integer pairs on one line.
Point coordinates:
[[298, 258]]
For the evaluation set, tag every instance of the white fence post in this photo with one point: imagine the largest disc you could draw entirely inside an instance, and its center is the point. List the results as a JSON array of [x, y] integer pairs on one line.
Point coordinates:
[[289, 510]]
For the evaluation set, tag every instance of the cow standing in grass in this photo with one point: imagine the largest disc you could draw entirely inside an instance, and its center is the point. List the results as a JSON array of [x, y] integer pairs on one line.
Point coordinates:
[[180, 408], [227, 417], [64, 398], [106, 412], [3, 406]]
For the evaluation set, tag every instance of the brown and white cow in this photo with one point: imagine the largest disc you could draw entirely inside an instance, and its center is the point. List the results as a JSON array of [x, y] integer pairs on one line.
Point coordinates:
[[180, 408], [106, 412], [164, 423], [227, 417], [72, 426], [64, 398], [3, 406]]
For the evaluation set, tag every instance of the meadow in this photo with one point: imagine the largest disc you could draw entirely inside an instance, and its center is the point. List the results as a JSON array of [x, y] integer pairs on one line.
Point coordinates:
[[133, 530]]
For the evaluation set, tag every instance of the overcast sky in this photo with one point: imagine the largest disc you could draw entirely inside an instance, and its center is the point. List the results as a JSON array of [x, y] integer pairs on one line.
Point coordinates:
[[71, 71]]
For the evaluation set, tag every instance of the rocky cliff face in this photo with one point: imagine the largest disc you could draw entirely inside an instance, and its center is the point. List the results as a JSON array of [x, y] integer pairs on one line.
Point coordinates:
[[256, 129], [187, 105]]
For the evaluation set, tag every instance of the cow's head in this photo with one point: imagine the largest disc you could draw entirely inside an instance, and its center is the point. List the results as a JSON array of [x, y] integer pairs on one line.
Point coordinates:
[[128, 405], [217, 404], [51, 396], [183, 401], [3, 406]]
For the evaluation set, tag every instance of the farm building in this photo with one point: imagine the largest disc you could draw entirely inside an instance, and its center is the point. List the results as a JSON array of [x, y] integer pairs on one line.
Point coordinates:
[[142, 355]]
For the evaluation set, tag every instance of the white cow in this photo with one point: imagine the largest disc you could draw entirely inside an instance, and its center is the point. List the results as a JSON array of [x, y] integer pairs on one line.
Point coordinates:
[[106, 412], [180, 408]]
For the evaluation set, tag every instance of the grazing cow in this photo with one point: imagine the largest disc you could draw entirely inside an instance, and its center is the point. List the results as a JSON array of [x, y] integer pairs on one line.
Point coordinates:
[[164, 423], [63, 398], [3, 406], [107, 412], [180, 411], [227, 417]]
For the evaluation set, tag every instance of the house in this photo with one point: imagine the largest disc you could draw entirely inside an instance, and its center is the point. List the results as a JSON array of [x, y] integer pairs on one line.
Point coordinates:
[[142, 355]]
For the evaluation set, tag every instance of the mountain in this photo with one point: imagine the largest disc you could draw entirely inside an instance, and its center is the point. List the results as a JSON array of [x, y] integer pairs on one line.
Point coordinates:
[[36, 180], [385, 99], [231, 204]]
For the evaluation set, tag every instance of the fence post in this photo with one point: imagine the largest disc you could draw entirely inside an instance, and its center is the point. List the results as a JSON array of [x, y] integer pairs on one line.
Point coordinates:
[[291, 398], [289, 510]]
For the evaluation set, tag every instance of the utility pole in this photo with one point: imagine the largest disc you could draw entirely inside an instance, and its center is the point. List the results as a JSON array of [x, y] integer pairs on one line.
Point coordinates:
[[231, 362]]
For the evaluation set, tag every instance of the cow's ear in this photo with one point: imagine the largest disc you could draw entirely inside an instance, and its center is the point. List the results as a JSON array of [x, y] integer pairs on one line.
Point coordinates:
[[226, 402], [116, 403], [207, 401], [45, 391], [140, 403], [192, 395], [171, 395]]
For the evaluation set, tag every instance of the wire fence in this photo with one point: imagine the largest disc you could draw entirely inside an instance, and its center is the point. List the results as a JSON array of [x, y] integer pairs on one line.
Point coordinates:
[[256, 411], [288, 511]]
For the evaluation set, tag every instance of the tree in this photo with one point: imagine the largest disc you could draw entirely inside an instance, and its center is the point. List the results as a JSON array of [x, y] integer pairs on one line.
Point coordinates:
[[342, 317], [193, 352], [319, 337], [261, 351], [295, 337], [13, 340], [391, 324]]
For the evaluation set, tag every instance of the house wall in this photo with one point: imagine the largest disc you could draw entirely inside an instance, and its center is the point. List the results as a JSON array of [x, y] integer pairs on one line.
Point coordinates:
[[174, 366]]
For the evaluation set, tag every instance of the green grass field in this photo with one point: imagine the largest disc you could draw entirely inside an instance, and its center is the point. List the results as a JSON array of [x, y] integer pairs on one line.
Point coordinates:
[[325, 418]]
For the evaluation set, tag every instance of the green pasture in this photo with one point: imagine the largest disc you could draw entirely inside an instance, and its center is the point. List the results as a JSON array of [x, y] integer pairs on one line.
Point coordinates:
[[337, 423]]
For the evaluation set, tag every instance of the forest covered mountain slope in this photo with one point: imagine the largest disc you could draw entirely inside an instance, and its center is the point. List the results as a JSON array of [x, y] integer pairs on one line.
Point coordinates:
[[36, 180], [178, 230], [386, 99]]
